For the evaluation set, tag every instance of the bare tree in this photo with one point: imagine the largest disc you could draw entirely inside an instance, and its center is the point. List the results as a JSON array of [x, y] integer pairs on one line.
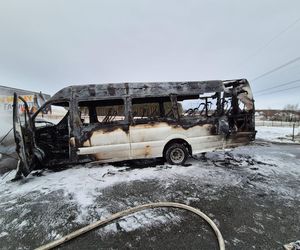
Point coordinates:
[[292, 112], [291, 107]]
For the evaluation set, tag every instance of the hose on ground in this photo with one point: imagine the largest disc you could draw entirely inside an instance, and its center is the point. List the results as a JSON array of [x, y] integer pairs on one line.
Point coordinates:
[[129, 211]]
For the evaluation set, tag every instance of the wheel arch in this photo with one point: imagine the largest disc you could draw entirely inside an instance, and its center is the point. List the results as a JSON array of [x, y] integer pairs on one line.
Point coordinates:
[[177, 140]]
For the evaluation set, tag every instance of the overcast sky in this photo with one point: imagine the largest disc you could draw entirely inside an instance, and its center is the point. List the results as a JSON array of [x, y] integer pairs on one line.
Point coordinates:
[[47, 45]]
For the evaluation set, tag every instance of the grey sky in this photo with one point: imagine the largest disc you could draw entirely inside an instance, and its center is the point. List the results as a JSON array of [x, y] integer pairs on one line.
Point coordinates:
[[46, 45]]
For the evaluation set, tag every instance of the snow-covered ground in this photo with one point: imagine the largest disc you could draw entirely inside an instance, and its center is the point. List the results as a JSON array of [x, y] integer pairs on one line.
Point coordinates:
[[50, 205], [277, 134], [85, 183], [55, 203]]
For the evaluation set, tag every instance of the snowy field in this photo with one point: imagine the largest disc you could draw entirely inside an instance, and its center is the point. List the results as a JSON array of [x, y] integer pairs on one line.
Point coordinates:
[[277, 134]]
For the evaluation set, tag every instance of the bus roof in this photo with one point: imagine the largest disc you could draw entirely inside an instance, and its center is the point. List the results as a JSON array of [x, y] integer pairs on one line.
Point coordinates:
[[141, 89]]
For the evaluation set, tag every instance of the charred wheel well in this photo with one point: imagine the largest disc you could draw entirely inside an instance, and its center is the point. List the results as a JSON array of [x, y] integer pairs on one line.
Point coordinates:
[[180, 141]]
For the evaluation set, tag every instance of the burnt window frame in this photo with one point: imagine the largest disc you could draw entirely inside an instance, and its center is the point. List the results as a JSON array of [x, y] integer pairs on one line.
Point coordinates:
[[154, 99], [101, 123], [218, 111], [53, 102]]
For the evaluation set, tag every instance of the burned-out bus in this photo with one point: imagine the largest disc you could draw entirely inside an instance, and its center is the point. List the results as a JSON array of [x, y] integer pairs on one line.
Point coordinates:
[[127, 121]]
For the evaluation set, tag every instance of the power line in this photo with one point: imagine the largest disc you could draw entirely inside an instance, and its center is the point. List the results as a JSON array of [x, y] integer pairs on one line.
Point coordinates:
[[277, 86], [280, 90], [272, 39], [277, 68]]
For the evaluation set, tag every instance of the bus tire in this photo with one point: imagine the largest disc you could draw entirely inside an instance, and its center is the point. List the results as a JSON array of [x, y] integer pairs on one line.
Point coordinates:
[[176, 154]]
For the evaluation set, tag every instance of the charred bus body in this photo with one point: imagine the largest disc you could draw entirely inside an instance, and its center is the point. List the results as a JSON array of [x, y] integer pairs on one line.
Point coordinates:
[[117, 122]]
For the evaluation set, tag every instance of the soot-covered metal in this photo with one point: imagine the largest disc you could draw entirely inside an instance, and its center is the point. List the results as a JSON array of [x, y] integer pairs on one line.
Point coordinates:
[[114, 122]]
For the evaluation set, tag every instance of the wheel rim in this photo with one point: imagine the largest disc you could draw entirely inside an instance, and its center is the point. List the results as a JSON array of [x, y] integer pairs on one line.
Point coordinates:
[[177, 155]]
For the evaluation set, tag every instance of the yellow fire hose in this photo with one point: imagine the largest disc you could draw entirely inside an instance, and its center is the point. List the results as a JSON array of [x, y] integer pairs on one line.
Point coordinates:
[[129, 211]]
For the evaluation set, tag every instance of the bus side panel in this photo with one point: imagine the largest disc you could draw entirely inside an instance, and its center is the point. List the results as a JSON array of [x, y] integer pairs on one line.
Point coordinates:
[[107, 146], [149, 140]]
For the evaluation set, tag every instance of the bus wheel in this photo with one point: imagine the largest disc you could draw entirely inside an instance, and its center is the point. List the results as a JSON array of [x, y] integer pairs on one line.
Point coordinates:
[[176, 154]]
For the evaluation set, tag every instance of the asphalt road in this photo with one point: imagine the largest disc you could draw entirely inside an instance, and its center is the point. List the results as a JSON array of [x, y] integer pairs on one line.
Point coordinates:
[[252, 194]]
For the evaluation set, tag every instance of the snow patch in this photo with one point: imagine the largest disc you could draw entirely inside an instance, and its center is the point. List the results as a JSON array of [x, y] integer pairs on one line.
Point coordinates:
[[85, 183], [2, 234], [266, 170], [23, 224], [276, 134]]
